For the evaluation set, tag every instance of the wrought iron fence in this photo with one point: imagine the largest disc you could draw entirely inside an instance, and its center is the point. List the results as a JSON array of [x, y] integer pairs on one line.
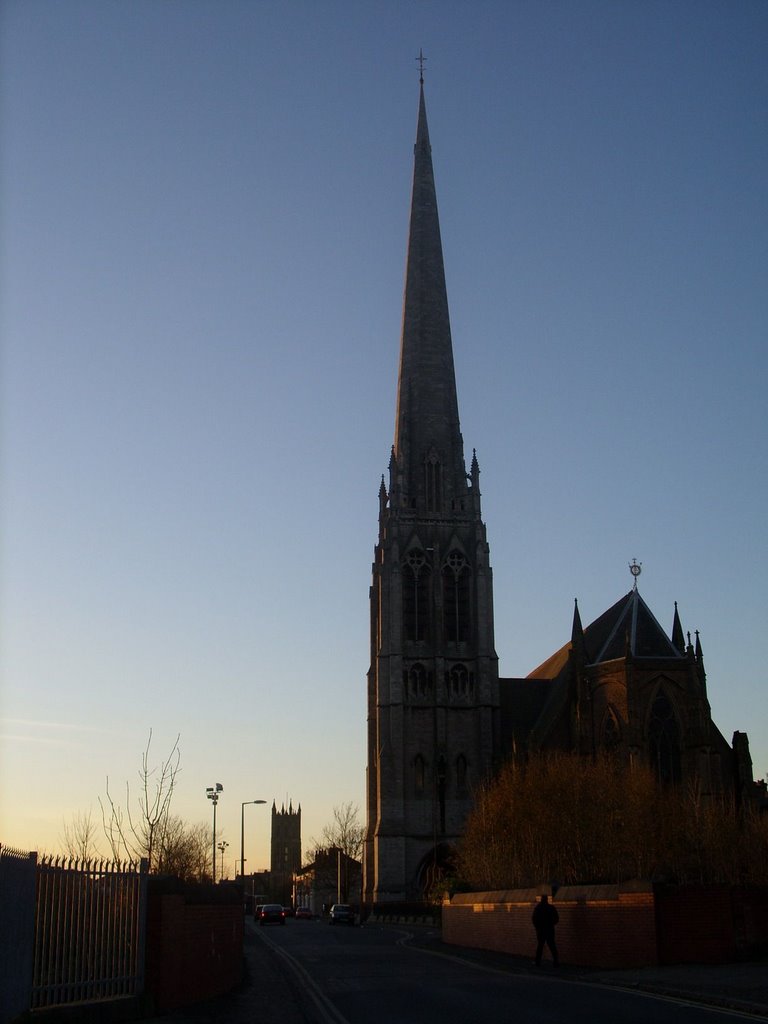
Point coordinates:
[[89, 931]]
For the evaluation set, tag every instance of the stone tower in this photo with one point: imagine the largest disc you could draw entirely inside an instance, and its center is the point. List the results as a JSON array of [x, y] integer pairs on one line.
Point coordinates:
[[433, 690], [286, 841]]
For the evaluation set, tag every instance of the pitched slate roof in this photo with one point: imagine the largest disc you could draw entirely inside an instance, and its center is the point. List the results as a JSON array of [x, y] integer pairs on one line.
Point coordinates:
[[531, 705], [629, 622], [522, 704]]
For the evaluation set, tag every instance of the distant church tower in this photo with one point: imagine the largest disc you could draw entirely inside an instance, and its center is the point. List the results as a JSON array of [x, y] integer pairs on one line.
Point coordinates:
[[433, 689], [286, 841]]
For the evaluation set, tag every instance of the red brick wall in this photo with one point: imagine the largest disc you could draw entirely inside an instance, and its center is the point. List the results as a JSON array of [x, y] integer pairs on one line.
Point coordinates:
[[600, 926], [711, 924], [750, 917], [194, 950], [695, 925], [635, 925]]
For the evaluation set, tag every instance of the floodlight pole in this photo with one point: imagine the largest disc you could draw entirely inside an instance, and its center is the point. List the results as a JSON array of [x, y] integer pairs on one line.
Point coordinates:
[[212, 792]]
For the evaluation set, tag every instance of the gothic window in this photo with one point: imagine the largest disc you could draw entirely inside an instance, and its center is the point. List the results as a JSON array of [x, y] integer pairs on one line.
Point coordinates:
[[418, 682], [460, 682], [664, 740], [441, 781], [456, 603], [433, 482], [611, 732], [461, 772], [419, 773], [415, 596]]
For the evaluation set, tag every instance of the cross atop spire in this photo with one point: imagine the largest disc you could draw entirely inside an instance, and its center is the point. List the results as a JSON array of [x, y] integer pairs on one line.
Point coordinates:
[[421, 58]]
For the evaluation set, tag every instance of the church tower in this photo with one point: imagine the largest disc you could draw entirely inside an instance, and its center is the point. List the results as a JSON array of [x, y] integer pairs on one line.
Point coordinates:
[[286, 840], [433, 690]]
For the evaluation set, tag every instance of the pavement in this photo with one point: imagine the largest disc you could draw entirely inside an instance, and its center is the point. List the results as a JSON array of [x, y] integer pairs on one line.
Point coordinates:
[[739, 986], [278, 998]]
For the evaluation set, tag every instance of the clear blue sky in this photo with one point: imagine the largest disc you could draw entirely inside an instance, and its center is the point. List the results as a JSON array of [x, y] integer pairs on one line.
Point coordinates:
[[204, 210]]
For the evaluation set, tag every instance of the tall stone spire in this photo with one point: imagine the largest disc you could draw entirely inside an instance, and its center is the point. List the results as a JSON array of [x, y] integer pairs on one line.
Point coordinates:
[[429, 470], [433, 685]]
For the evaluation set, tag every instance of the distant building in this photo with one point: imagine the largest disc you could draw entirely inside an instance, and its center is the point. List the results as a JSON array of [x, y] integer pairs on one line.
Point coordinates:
[[286, 840], [332, 877], [440, 720], [286, 850]]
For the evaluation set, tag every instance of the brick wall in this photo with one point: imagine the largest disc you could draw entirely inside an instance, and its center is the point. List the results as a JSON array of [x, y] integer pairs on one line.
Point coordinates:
[[194, 949], [711, 924], [615, 926], [600, 926]]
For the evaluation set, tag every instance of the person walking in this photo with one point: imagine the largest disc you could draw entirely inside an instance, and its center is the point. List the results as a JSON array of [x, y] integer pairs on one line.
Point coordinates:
[[545, 917]]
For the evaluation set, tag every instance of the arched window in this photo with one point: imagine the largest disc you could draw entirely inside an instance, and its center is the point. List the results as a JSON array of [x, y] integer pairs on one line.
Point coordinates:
[[461, 772], [417, 681], [419, 768], [415, 596], [460, 682], [433, 482], [664, 740], [456, 602]]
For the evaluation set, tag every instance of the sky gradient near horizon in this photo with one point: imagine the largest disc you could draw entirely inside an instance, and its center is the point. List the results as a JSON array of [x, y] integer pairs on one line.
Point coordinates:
[[204, 214]]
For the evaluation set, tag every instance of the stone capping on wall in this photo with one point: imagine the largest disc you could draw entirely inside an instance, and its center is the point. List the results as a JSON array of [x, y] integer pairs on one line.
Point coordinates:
[[558, 894]]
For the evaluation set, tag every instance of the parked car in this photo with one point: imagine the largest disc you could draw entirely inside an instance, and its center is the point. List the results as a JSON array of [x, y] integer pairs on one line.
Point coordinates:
[[272, 913], [289, 911], [342, 913], [303, 912]]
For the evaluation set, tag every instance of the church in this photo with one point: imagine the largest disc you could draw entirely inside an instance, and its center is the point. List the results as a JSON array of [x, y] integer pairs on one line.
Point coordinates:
[[440, 719]]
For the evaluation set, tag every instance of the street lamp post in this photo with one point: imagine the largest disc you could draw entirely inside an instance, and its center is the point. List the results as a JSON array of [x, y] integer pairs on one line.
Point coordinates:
[[222, 847], [212, 792], [242, 832]]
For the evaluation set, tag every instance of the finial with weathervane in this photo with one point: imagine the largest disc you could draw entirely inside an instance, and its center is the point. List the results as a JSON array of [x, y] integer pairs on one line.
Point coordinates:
[[635, 568]]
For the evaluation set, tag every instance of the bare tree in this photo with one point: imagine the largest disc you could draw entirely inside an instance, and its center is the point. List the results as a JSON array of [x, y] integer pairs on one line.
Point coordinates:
[[134, 831], [184, 850], [344, 833], [79, 837], [336, 854]]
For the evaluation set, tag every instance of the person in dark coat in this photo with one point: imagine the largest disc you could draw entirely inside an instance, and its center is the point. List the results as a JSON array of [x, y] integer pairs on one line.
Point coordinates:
[[545, 917]]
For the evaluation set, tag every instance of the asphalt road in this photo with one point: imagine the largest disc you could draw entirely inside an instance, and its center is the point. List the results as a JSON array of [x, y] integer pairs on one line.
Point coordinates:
[[313, 973]]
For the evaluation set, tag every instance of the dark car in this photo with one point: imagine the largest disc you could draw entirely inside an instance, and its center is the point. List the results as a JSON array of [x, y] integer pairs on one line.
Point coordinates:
[[303, 912], [342, 913], [272, 913]]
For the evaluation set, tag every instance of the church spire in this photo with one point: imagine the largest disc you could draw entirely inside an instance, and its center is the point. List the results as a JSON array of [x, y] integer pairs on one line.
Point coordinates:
[[433, 681], [428, 449], [678, 638]]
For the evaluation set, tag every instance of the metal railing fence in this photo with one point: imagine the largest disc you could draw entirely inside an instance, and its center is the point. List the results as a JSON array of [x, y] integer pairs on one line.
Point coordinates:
[[89, 931]]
